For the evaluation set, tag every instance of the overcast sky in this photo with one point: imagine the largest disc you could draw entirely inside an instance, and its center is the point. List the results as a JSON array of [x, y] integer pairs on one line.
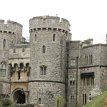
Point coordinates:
[[88, 18]]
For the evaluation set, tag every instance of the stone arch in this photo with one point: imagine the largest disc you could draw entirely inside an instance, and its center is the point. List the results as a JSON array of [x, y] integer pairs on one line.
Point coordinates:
[[19, 96], [28, 69], [27, 65], [15, 66], [10, 69], [21, 65]]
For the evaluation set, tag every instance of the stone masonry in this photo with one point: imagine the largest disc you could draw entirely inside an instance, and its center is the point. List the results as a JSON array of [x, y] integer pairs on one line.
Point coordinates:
[[51, 69]]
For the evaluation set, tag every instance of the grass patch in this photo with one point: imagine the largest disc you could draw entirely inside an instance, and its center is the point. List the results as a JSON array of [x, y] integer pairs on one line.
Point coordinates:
[[97, 101]]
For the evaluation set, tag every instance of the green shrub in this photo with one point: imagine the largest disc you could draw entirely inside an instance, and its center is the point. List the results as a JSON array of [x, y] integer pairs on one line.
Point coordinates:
[[5, 102]]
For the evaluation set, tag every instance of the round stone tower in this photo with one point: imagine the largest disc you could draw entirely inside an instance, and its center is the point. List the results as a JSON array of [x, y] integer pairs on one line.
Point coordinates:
[[10, 33], [48, 36]]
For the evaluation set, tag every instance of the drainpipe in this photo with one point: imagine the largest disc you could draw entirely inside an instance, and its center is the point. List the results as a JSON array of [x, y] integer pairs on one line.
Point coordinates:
[[76, 105]]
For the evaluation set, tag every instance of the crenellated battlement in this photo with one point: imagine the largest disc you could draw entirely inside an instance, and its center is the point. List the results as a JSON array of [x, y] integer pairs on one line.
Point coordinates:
[[49, 23], [10, 27]]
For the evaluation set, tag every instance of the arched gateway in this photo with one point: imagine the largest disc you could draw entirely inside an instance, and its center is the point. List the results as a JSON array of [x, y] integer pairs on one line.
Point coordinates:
[[19, 96]]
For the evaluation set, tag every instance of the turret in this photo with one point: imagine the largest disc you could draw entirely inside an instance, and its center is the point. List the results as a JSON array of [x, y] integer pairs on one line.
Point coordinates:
[[10, 34], [48, 36]]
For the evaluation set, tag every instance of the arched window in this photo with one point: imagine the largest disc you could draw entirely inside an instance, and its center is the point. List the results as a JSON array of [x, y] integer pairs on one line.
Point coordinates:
[[53, 37], [43, 69], [3, 69], [28, 69], [27, 65], [15, 65], [4, 43], [43, 48], [21, 65]]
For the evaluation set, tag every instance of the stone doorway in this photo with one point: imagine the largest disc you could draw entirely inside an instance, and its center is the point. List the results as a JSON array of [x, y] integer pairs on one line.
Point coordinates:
[[19, 97]]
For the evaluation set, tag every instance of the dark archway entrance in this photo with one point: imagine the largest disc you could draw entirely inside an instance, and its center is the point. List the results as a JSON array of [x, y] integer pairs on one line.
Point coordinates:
[[19, 97]]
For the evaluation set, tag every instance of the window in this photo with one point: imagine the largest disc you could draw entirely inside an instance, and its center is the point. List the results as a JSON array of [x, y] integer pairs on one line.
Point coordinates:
[[43, 48], [27, 65], [72, 99], [14, 50], [90, 98], [18, 75], [39, 100], [35, 37], [84, 98], [15, 67], [21, 65], [73, 62], [53, 37], [2, 69], [43, 70], [86, 60], [23, 49], [87, 79], [90, 59], [72, 82], [4, 43]]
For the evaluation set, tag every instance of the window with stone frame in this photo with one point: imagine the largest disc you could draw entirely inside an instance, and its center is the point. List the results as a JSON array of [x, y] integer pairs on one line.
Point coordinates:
[[86, 59], [72, 62], [43, 48], [35, 37], [23, 49], [53, 37], [19, 75], [14, 50], [43, 69], [72, 98], [72, 82], [3, 69], [4, 43], [84, 98]]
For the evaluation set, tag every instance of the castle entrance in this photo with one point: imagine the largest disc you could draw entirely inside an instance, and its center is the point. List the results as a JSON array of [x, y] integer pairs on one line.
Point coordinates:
[[19, 97]]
